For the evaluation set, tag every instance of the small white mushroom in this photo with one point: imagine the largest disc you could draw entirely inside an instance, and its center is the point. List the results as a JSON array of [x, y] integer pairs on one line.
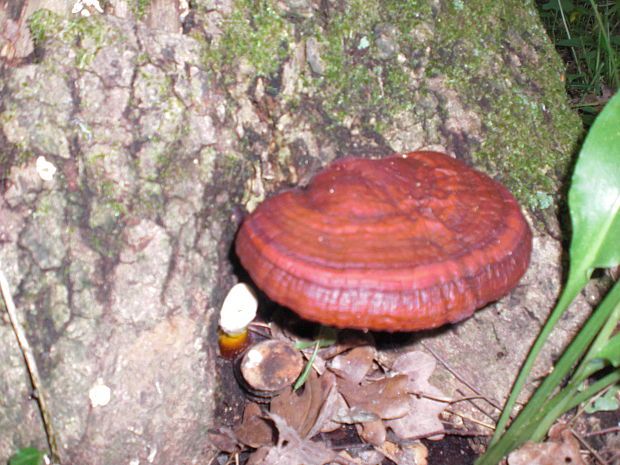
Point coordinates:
[[238, 310]]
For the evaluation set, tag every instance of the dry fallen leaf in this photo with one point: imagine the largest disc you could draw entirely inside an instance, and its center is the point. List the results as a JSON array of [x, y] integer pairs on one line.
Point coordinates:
[[301, 414], [331, 401], [337, 406], [254, 431], [355, 364], [309, 409], [364, 457], [422, 416], [385, 397], [353, 415], [355, 389], [397, 397], [292, 449], [223, 439], [373, 432], [560, 449], [412, 454]]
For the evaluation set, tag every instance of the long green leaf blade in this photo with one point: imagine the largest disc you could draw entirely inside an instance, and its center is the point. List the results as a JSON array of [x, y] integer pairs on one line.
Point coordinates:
[[611, 351], [594, 196], [594, 201]]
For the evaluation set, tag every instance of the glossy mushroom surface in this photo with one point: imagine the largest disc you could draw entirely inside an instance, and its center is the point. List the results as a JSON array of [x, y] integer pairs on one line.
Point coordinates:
[[403, 243]]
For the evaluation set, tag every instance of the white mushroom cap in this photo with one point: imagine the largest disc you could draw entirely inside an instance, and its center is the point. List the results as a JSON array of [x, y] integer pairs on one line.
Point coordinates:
[[238, 310]]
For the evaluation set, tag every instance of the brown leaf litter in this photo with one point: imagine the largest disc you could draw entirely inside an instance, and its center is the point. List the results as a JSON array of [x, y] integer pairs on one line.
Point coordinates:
[[349, 388], [561, 448]]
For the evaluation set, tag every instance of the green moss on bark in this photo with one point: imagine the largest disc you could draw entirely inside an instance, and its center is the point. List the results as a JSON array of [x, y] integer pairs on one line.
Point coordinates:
[[376, 59]]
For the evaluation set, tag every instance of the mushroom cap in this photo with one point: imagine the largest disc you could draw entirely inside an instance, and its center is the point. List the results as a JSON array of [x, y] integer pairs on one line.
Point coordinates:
[[407, 242]]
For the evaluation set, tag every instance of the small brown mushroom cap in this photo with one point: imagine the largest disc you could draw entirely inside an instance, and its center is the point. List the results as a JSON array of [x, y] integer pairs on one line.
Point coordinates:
[[407, 242]]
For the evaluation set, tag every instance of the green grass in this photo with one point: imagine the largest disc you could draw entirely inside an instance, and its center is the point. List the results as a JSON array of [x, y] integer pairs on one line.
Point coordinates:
[[586, 34], [591, 362]]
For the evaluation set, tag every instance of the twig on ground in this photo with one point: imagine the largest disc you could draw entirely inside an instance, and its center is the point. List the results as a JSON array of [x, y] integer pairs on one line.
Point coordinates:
[[450, 432], [479, 407], [585, 444], [613, 429], [460, 377], [473, 420], [32, 368]]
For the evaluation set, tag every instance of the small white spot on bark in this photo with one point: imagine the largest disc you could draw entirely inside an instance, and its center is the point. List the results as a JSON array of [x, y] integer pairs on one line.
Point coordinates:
[[45, 169], [99, 394]]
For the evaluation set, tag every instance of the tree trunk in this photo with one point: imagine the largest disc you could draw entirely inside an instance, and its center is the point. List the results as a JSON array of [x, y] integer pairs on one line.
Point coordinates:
[[162, 123]]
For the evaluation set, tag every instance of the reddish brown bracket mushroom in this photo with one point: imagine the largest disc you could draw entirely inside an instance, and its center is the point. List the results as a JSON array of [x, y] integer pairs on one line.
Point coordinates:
[[407, 242]]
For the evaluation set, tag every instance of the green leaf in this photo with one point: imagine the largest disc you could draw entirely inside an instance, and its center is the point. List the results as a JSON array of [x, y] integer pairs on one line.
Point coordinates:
[[594, 203], [27, 456], [594, 196], [304, 375], [611, 351], [605, 403], [327, 336]]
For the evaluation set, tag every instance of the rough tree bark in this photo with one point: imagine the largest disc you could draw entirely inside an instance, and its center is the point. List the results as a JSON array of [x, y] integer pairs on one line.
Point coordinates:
[[119, 263]]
